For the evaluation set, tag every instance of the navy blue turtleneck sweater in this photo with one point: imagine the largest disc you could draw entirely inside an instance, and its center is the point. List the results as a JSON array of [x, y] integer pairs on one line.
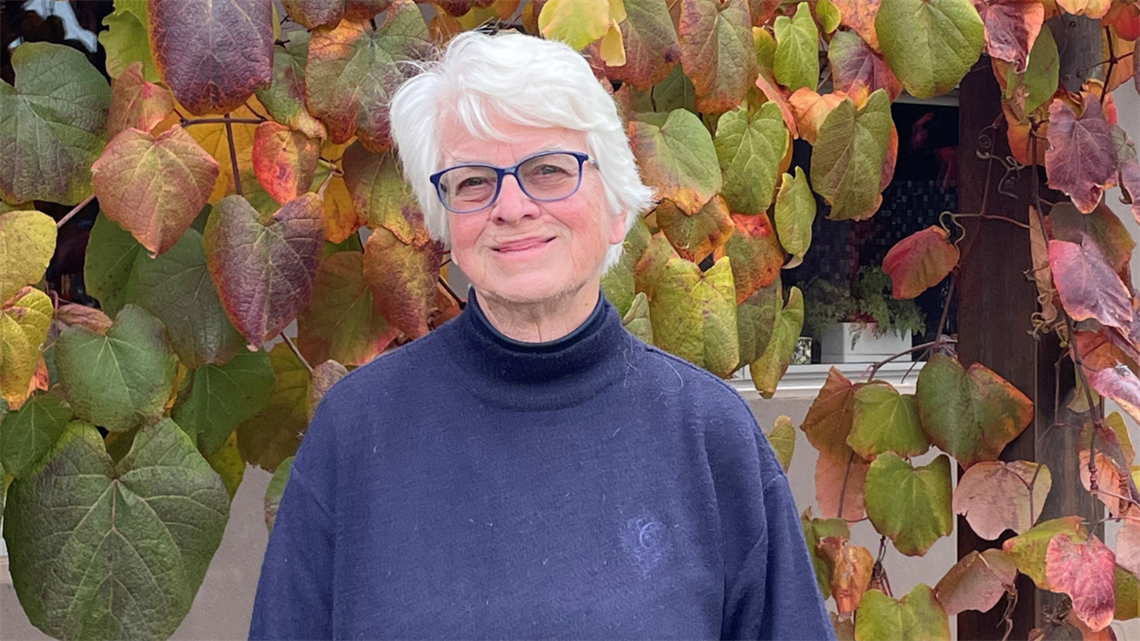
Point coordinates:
[[468, 486]]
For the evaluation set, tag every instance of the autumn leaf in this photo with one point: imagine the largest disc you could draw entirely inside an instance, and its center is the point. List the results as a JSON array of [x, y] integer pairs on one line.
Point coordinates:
[[52, 124], [1095, 9], [577, 22], [342, 322], [651, 46], [860, 16], [841, 475], [274, 433], [811, 110], [847, 162], [1128, 163], [1119, 384], [137, 103], [995, 496], [828, 420], [696, 236], [403, 279], [910, 506], [970, 414], [1011, 28], [756, 321], [797, 50], [24, 320], [325, 375], [783, 441], [717, 52], [637, 321], [1029, 549], [263, 265], [920, 261], [1024, 92], [284, 160], [154, 187], [858, 70], [756, 254], [214, 138], [885, 421], [1084, 571], [1128, 543], [676, 156], [353, 70], [815, 531], [125, 39], [1087, 284], [1114, 486], [930, 44], [619, 284], [851, 576], [976, 582], [918, 615], [1081, 158], [213, 55], [795, 213], [379, 193], [284, 97], [694, 314], [27, 243], [749, 147], [767, 370]]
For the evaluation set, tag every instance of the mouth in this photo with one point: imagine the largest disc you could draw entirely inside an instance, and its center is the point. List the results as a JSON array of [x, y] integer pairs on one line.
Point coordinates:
[[522, 245]]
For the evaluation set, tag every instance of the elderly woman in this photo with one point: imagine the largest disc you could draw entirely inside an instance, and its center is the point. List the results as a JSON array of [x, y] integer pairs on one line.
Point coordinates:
[[530, 469]]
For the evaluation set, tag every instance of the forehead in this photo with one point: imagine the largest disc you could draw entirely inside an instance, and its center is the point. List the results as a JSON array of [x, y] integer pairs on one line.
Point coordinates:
[[504, 143]]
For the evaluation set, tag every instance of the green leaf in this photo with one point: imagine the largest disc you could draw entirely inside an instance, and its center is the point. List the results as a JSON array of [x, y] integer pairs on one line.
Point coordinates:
[[275, 491], [213, 54], [108, 263], [229, 465], [828, 14], [51, 124], [343, 322], [918, 615], [126, 545], [972, 415], [717, 52], [783, 441], [618, 282], [28, 433], [637, 320], [126, 40], [911, 506], [749, 148], [696, 236], [769, 368], [284, 97], [1027, 91], [651, 47], [930, 44], [177, 289], [847, 161], [885, 421], [264, 266], [24, 325], [218, 398], [353, 71], [815, 530], [676, 156], [795, 213], [756, 320], [1028, 550], [694, 314], [27, 242], [121, 380], [133, 180], [797, 50], [274, 433]]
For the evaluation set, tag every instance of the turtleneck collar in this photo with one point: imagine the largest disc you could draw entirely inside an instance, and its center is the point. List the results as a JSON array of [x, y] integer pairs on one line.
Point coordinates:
[[535, 376]]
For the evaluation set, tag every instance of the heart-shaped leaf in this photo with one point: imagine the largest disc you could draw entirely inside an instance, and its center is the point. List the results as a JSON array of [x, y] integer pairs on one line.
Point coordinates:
[[795, 214], [1011, 29], [860, 16], [1028, 550], [767, 370], [783, 441], [1101, 226], [676, 157], [284, 98], [995, 496], [797, 50], [918, 615], [28, 433], [154, 187], [213, 55], [976, 582], [930, 44], [121, 380], [218, 398], [828, 421], [107, 266], [27, 243], [920, 261], [756, 320], [403, 278], [578, 22], [815, 530], [1087, 284], [618, 283], [637, 321], [717, 52], [811, 111], [696, 236], [971, 414], [1119, 384], [136, 103], [847, 162], [380, 194], [126, 40], [284, 160], [885, 421], [274, 433], [352, 73], [909, 505], [1081, 158], [841, 478], [651, 46], [694, 314], [852, 569], [858, 70], [343, 323], [1084, 571], [1129, 164], [52, 124], [749, 148], [264, 265], [24, 324], [1095, 9], [320, 13], [755, 253], [148, 525]]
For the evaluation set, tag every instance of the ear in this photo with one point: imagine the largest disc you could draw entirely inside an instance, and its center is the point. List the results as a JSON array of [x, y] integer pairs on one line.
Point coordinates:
[[617, 229]]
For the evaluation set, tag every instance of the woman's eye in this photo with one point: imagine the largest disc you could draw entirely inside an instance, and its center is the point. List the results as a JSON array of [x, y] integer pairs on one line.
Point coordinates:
[[547, 170], [472, 182]]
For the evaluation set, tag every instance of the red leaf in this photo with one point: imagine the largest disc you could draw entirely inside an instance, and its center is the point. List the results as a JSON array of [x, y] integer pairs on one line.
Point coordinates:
[[1087, 284], [1112, 482], [1081, 158], [1119, 384], [1011, 28], [717, 51], [755, 253], [828, 420], [920, 261], [1129, 164], [1125, 19], [858, 70], [284, 160], [137, 103], [830, 471], [1084, 571]]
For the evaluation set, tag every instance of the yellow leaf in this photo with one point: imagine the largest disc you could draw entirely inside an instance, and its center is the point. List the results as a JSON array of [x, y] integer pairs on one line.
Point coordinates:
[[612, 49], [575, 22], [214, 140]]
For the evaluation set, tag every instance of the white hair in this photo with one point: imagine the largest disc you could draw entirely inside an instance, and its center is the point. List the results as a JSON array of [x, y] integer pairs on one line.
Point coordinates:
[[524, 80]]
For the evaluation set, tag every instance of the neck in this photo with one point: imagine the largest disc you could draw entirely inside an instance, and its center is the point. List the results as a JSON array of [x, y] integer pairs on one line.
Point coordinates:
[[542, 321]]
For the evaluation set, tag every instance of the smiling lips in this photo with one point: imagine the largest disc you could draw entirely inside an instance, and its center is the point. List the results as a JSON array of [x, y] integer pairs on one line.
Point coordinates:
[[523, 244]]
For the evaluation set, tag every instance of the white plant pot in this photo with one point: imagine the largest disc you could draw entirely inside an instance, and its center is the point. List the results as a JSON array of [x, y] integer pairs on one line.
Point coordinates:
[[836, 343]]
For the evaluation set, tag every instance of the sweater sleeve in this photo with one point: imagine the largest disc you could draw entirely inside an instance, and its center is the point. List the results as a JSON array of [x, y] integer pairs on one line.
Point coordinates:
[[295, 592]]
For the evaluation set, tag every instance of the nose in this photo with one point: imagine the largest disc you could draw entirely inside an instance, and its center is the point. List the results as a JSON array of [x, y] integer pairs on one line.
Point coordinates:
[[512, 205]]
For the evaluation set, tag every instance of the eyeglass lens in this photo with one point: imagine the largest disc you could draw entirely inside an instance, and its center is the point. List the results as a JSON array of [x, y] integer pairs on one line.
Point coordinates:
[[545, 177]]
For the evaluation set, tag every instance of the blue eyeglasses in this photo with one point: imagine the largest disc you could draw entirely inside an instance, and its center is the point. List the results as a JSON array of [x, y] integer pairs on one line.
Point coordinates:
[[546, 176]]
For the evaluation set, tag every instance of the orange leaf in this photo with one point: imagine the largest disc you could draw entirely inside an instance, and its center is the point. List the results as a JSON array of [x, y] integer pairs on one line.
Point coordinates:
[[137, 103], [831, 472], [920, 261], [810, 110], [284, 160]]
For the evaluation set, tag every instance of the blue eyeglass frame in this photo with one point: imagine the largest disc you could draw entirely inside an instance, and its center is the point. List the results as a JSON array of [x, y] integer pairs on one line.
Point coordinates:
[[502, 172]]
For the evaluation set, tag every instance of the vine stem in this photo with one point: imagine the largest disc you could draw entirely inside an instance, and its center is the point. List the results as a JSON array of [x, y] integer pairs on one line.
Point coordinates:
[[75, 210], [296, 352], [233, 158], [875, 367], [218, 121], [989, 217], [1111, 65]]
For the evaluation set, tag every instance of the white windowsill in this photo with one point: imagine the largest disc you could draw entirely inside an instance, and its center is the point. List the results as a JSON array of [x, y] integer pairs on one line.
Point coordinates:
[[805, 381]]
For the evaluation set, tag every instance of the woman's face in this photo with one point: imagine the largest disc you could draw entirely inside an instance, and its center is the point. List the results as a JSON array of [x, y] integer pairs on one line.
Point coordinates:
[[521, 250]]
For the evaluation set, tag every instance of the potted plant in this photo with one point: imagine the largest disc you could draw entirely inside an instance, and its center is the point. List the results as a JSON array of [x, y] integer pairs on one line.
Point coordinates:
[[859, 321]]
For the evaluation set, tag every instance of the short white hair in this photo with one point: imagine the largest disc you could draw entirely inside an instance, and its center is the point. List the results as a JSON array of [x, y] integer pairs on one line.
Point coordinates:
[[524, 80]]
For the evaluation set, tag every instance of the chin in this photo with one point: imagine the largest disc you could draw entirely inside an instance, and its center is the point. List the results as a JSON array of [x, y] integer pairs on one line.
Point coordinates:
[[530, 288]]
